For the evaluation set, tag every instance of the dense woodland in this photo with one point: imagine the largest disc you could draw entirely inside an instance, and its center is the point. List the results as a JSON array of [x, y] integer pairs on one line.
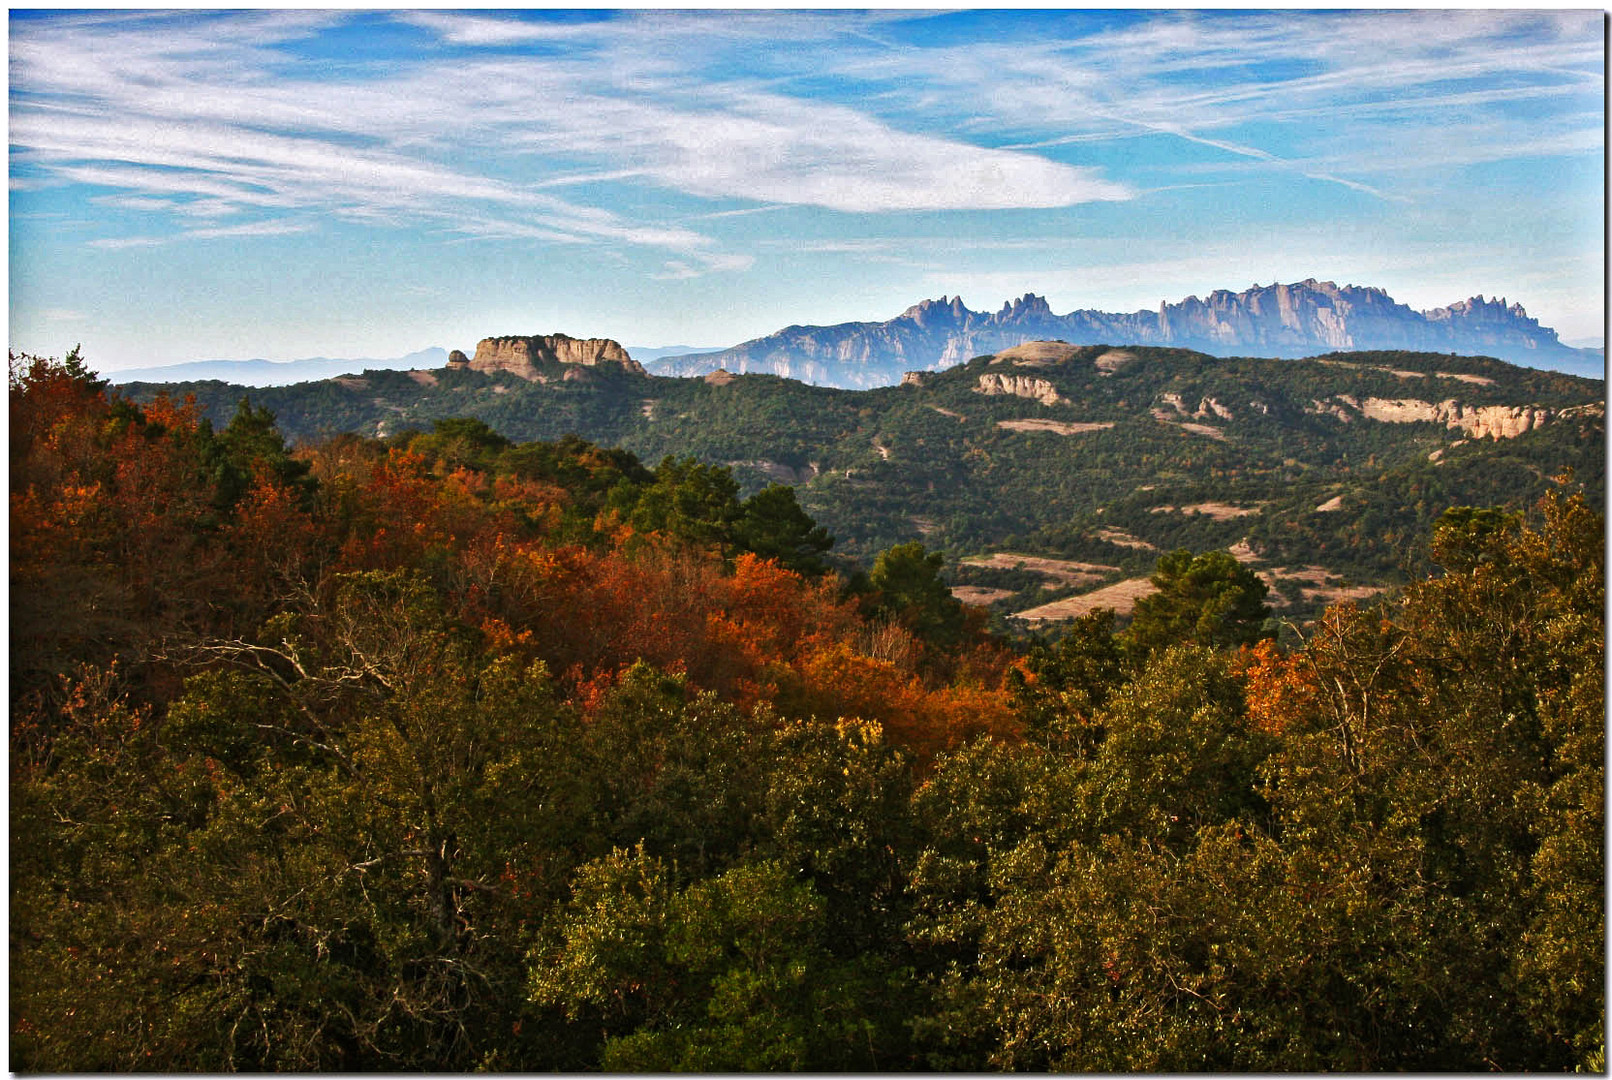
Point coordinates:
[[930, 463], [454, 752]]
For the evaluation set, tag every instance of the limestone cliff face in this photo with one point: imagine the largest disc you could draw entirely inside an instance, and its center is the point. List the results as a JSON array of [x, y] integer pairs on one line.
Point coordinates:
[[1477, 421], [1020, 386], [522, 355], [1207, 407]]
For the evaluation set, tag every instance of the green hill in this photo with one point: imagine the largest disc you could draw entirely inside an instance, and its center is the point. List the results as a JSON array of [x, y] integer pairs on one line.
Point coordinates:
[[1325, 473]]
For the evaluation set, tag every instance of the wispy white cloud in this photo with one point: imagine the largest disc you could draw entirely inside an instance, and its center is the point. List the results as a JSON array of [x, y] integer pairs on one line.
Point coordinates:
[[212, 113], [1334, 85], [700, 266]]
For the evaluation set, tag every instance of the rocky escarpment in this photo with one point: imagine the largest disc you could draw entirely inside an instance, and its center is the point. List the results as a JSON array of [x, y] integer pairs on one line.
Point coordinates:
[[1207, 407], [524, 356], [1477, 421], [1305, 318], [1020, 386]]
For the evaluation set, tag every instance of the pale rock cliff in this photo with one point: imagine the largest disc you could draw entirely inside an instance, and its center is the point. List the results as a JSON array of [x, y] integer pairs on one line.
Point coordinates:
[[522, 355], [1020, 386], [1477, 421], [1207, 407]]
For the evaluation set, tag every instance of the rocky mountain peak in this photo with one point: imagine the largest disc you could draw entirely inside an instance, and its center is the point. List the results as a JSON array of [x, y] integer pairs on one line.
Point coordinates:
[[1302, 318], [929, 312], [1026, 307]]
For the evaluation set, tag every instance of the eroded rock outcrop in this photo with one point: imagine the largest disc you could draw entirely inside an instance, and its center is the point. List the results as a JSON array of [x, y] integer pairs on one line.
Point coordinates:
[[1477, 421], [1020, 386], [1207, 407], [523, 355]]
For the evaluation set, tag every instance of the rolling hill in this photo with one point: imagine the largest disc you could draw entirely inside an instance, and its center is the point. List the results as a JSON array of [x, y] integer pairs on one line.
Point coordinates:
[[1325, 473]]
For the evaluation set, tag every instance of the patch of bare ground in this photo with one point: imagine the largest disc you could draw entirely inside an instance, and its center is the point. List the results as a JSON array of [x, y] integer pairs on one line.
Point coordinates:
[[424, 378], [1374, 367], [1121, 596], [948, 412], [1059, 426], [720, 377], [500, 388], [1215, 510], [1124, 539], [1242, 552], [1112, 360], [979, 595], [1315, 585], [785, 474], [1334, 503], [1185, 425], [351, 382], [1477, 380], [1063, 571], [647, 408], [884, 451], [1038, 353], [925, 526]]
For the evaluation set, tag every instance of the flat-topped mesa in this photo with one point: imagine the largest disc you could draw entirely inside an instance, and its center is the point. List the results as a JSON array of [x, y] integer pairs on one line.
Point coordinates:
[[522, 355]]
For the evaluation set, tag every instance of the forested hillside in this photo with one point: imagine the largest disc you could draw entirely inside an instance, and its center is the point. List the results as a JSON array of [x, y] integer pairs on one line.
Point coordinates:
[[1329, 468], [486, 748]]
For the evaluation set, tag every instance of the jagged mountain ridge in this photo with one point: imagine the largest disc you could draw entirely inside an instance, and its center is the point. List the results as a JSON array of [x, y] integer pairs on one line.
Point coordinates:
[[1301, 319]]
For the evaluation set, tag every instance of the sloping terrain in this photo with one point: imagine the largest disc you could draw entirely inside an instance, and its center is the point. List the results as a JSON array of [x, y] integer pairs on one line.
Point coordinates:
[[1084, 453]]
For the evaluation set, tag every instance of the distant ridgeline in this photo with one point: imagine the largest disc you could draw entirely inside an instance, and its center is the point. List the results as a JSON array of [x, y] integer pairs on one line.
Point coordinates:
[[1331, 468], [1295, 320]]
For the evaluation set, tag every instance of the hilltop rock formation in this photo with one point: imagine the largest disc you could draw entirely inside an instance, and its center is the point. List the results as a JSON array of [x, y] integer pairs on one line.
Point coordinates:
[[523, 355], [1305, 318], [1020, 386]]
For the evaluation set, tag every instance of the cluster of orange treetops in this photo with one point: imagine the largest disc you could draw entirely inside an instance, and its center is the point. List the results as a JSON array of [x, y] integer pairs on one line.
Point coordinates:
[[443, 752], [133, 524]]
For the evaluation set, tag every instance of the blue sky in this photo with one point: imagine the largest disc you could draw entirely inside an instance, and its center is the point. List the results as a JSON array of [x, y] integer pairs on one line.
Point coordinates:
[[282, 184]]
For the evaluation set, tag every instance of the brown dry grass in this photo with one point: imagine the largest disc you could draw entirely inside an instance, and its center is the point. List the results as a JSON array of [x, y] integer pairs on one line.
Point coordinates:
[[1038, 353], [1217, 511], [1121, 596], [1197, 429], [1059, 426], [1314, 585], [979, 595], [1063, 571], [1124, 539]]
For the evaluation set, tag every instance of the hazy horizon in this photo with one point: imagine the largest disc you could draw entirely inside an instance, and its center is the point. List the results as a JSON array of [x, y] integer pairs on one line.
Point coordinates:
[[280, 185]]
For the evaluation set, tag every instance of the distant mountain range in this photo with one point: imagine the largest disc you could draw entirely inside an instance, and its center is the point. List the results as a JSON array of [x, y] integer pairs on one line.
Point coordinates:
[[645, 354], [275, 372], [1301, 319]]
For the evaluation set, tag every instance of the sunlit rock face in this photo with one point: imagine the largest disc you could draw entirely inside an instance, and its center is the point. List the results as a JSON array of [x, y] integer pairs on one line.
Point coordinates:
[[1020, 386], [1477, 421], [522, 355]]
